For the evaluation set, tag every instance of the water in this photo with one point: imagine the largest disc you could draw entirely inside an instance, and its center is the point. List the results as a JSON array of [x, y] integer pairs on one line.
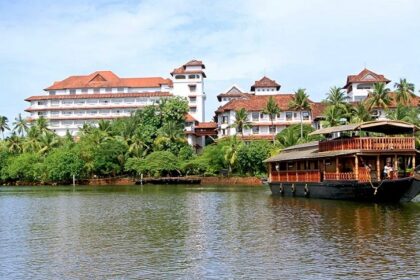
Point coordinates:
[[191, 232]]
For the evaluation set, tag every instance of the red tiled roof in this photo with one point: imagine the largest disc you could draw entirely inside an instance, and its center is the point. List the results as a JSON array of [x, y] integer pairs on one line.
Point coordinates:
[[72, 108], [257, 102], [366, 76], [317, 109], [212, 125], [107, 79], [232, 92], [183, 69], [265, 82], [195, 62], [100, 95], [189, 118]]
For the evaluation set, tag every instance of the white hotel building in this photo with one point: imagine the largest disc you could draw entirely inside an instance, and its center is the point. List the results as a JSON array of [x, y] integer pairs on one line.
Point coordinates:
[[76, 100]]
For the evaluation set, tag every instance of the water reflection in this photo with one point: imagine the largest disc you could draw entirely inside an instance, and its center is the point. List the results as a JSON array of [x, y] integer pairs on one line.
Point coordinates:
[[193, 232]]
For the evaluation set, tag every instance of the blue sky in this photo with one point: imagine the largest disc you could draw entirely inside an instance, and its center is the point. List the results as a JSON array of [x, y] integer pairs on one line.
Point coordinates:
[[309, 44]]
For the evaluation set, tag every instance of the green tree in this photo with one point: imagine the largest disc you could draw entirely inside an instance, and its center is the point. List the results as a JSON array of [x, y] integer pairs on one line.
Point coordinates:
[[230, 151], [109, 157], [14, 144], [20, 125], [62, 164], [359, 113], [158, 163], [241, 121], [300, 102], [41, 124], [404, 91], [272, 110], [25, 167], [379, 97], [250, 157], [337, 98], [290, 136], [3, 125]]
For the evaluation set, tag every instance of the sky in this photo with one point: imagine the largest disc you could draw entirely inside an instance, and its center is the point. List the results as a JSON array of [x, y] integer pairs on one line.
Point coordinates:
[[300, 44]]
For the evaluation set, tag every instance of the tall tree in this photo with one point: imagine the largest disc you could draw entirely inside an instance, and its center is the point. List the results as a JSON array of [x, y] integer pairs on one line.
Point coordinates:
[[337, 98], [379, 97], [3, 125], [41, 124], [272, 109], [241, 121], [360, 113], [332, 116], [20, 125], [404, 90], [300, 102]]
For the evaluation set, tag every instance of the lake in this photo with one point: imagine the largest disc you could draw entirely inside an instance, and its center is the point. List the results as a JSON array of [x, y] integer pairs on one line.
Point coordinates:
[[197, 232]]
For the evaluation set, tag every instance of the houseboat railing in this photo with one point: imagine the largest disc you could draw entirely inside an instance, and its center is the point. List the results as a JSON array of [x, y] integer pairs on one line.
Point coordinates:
[[369, 143], [296, 176], [344, 176]]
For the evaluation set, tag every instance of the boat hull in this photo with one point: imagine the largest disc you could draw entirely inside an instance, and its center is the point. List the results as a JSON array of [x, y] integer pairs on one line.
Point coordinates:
[[400, 190]]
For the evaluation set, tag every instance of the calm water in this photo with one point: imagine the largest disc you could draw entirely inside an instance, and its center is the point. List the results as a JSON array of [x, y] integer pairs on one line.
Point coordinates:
[[201, 232]]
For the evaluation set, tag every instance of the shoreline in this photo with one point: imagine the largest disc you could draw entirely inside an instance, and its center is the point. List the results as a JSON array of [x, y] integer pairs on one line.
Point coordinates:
[[127, 181]]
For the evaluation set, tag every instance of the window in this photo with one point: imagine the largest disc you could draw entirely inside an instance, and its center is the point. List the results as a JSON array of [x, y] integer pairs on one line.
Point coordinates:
[[79, 102], [193, 109], [93, 112], [96, 90], [67, 113], [192, 76], [72, 91], [364, 86], [52, 92], [255, 116], [272, 129], [120, 89], [42, 103], [55, 102], [84, 90], [193, 88], [261, 116], [305, 115], [129, 100], [104, 101], [42, 113], [223, 131], [289, 116], [92, 101], [255, 130], [108, 89], [278, 115], [142, 100], [54, 123], [117, 101], [55, 113], [180, 77], [295, 115], [193, 99], [67, 102]]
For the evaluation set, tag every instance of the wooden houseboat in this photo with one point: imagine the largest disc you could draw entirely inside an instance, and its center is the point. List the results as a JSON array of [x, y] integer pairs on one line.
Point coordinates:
[[371, 161]]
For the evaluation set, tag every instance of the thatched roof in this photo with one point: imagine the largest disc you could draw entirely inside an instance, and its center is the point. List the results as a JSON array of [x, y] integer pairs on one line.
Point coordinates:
[[385, 126]]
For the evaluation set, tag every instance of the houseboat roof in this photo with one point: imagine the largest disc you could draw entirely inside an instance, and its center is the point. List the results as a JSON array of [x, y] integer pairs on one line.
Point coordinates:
[[309, 152], [386, 126]]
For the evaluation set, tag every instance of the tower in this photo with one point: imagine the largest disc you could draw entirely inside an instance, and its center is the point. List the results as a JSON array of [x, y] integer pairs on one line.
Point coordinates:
[[188, 82]]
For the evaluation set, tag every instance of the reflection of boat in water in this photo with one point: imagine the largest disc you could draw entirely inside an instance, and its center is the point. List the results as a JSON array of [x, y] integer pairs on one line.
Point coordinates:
[[351, 164]]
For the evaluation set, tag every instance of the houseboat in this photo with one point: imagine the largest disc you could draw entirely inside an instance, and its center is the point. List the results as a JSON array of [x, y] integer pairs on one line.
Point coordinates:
[[371, 161]]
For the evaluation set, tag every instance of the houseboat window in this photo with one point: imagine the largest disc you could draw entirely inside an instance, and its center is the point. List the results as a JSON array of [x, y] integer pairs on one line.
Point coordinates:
[[289, 116]]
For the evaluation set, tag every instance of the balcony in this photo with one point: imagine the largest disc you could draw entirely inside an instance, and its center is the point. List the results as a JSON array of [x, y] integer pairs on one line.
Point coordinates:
[[369, 143], [296, 176]]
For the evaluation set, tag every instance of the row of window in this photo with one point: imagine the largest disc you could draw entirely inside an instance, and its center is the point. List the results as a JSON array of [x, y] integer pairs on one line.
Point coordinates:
[[266, 89], [255, 130], [183, 77], [257, 116], [142, 100], [84, 112], [99, 90]]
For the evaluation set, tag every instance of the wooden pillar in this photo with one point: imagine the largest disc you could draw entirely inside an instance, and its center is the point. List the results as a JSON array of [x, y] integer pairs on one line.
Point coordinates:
[[287, 171], [336, 168], [395, 167], [269, 172], [356, 167], [378, 168]]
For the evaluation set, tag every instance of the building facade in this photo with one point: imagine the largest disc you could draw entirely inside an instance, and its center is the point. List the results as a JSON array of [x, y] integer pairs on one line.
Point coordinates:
[[254, 102], [76, 100]]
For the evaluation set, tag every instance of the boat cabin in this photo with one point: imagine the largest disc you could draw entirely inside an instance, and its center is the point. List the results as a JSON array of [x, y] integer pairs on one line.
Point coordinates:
[[366, 152]]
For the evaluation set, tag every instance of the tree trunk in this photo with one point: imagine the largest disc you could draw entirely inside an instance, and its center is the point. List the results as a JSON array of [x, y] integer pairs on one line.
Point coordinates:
[[274, 130], [301, 125]]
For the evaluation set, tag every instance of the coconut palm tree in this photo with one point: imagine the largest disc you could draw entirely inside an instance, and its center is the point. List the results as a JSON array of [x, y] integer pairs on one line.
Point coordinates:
[[337, 98], [300, 102], [14, 143], [272, 110], [48, 141], [360, 113], [379, 97], [404, 91], [333, 116], [230, 152], [20, 125], [41, 124], [3, 125], [241, 121], [401, 113]]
